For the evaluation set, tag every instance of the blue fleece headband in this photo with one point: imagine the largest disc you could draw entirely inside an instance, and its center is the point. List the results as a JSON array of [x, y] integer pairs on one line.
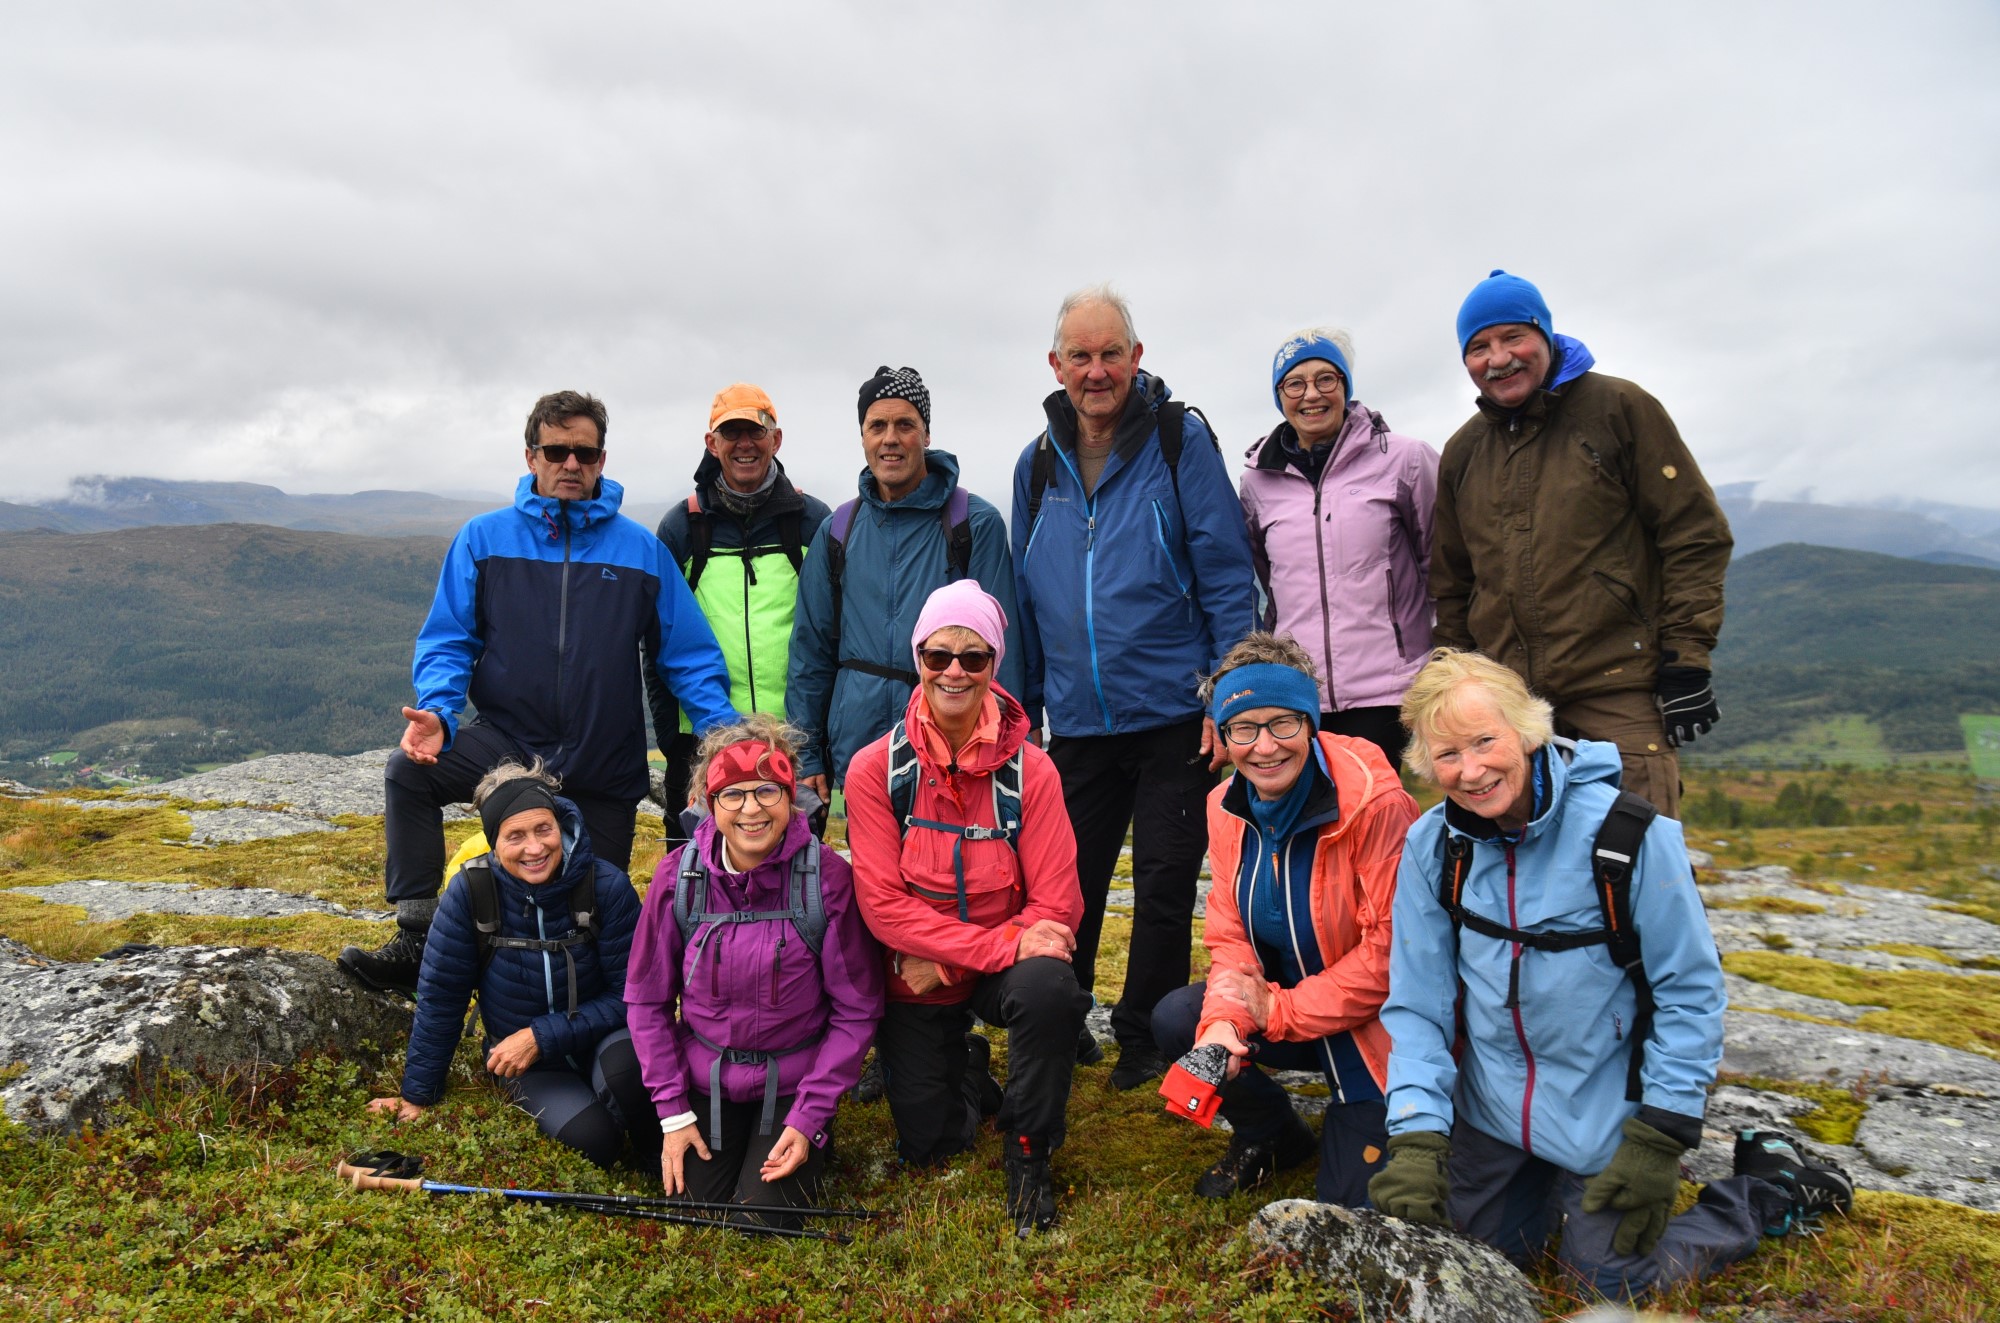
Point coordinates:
[[1264, 684], [1297, 350], [1503, 300]]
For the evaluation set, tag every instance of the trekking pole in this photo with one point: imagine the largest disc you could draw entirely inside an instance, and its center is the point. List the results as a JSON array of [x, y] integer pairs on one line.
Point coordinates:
[[388, 1170]]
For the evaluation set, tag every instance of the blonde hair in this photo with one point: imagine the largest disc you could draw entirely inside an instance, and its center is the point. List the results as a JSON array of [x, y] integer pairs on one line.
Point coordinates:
[[1260, 648], [1436, 697], [510, 770], [756, 726]]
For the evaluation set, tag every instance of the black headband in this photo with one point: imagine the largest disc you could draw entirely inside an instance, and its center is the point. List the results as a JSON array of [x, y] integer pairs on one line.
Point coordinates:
[[510, 797], [897, 384]]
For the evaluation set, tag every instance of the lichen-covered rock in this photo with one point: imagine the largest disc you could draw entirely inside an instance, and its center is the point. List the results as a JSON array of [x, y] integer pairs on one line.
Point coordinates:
[[1937, 1143], [1787, 1049], [107, 901], [76, 1035], [1382, 1268]]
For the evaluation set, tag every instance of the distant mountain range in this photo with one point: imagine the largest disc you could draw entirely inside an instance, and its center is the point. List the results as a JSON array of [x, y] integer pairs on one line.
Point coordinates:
[[1920, 530]]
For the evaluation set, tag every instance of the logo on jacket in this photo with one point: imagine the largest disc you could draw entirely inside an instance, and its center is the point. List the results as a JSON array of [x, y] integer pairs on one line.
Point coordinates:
[[607, 574]]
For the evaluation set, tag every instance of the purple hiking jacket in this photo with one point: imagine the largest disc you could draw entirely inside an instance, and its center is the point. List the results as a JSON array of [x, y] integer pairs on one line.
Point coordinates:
[[1347, 564], [754, 986]]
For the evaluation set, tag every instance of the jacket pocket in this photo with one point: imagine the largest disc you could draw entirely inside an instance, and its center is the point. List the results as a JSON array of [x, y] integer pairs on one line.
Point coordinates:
[[1389, 607], [1166, 548], [1624, 594]]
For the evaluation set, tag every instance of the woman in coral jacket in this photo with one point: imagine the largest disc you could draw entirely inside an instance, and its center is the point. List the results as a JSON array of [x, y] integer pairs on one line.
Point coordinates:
[[977, 902], [1303, 843]]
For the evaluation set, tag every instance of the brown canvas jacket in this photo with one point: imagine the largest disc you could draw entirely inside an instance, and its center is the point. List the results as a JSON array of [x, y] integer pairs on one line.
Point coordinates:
[[1578, 540]]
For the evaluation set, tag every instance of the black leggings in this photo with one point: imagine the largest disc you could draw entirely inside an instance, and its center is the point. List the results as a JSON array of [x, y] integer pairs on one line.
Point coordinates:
[[594, 1115]]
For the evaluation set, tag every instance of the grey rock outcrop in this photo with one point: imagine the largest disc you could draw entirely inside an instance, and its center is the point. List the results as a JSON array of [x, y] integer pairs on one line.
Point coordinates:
[[1787, 1049], [231, 825], [310, 783], [108, 902], [80, 1034], [1846, 924], [1382, 1268]]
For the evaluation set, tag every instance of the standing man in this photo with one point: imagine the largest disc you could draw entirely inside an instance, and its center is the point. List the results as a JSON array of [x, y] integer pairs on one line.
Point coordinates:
[[539, 614], [870, 569], [740, 540], [1576, 541], [1135, 576]]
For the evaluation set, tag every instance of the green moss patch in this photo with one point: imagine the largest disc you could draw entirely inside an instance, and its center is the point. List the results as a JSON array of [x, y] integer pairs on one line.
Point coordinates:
[[1957, 1010], [1769, 905]]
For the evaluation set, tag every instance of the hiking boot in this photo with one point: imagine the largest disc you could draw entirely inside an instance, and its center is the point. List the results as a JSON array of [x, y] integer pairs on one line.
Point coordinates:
[[871, 1086], [1136, 1065], [1031, 1187], [1088, 1052], [1246, 1166], [392, 967], [1815, 1188]]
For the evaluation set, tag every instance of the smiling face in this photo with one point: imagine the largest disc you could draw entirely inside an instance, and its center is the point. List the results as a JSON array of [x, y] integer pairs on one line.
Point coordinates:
[[1095, 361], [955, 697], [1508, 362], [1316, 415], [1479, 761], [1272, 766], [571, 479], [752, 830], [745, 450], [893, 437], [530, 846]]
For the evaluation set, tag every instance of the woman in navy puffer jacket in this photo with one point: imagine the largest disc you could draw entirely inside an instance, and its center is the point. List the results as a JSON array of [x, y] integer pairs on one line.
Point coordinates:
[[552, 999]]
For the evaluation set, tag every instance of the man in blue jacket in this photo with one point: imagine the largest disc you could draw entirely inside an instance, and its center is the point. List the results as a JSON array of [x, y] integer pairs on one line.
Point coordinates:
[[1134, 569], [868, 572], [540, 615]]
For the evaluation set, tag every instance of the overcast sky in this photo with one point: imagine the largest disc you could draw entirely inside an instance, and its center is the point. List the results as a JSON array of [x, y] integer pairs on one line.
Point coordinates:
[[342, 247]]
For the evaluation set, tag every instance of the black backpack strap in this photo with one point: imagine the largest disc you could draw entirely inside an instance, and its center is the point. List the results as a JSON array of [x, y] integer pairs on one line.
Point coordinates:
[[701, 537], [477, 875], [842, 521], [807, 898], [1612, 857], [1041, 472], [790, 525]]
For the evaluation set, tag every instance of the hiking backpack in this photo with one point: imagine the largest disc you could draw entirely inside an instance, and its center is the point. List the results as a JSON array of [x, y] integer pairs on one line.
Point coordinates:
[[903, 770], [701, 542], [957, 520], [484, 892], [1611, 858], [1171, 420]]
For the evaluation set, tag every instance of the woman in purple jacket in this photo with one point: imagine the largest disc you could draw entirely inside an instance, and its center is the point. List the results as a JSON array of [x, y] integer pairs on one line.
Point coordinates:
[[1339, 509], [754, 988]]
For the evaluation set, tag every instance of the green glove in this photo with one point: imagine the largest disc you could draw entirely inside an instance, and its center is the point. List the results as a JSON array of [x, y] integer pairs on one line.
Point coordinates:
[[1641, 1182], [1413, 1184]]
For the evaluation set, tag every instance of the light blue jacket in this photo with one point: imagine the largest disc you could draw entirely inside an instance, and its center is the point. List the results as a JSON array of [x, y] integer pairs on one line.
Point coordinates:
[[1548, 1078]]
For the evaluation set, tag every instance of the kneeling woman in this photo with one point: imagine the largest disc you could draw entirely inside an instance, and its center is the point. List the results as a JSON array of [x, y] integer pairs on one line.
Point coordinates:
[[755, 987], [551, 988], [1303, 843]]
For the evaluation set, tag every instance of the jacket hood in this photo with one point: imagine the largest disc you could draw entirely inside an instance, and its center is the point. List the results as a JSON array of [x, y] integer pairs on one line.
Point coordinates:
[[1566, 764], [773, 871], [1134, 425], [1269, 454], [931, 494], [1013, 732], [579, 866], [1571, 358], [549, 512]]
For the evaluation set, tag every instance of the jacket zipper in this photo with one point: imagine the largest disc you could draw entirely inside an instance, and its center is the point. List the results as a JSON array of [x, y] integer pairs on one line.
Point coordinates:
[[749, 650], [1160, 526], [1089, 583], [562, 631], [1325, 596], [777, 962], [1514, 1006]]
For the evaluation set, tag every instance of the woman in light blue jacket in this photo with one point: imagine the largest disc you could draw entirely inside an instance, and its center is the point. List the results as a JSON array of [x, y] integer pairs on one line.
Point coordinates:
[[1544, 1114]]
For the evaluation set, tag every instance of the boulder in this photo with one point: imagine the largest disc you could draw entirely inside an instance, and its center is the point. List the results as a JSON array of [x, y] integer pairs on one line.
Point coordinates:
[[77, 1035], [1379, 1267]]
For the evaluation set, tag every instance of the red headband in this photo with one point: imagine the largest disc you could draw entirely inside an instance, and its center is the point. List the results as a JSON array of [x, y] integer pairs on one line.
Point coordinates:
[[752, 760]]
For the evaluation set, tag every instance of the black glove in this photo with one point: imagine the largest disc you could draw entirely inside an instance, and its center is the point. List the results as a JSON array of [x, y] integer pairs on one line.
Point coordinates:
[[1687, 703]]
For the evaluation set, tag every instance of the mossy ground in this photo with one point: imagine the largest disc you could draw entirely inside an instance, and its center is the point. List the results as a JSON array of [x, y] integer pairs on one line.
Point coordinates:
[[217, 1200]]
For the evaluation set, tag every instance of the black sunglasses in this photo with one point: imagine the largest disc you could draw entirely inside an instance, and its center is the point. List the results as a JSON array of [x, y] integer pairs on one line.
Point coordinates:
[[585, 455], [940, 660]]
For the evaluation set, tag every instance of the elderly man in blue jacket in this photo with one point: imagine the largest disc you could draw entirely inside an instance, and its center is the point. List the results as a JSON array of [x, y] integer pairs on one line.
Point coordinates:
[[540, 614], [1134, 570]]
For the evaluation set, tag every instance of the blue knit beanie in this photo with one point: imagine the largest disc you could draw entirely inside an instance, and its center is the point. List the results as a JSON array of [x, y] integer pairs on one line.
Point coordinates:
[[1297, 350], [1501, 300], [1264, 684]]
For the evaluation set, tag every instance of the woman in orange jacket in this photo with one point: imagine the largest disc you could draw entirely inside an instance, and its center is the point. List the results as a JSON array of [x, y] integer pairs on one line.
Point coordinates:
[[1303, 844]]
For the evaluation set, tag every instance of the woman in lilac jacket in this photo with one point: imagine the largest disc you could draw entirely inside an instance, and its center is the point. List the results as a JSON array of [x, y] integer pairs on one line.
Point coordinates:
[[754, 988], [1339, 509]]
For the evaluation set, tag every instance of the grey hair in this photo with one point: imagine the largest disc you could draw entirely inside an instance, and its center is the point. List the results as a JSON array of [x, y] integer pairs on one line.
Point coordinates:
[[1257, 649], [1087, 296], [753, 727], [1340, 335], [512, 771]]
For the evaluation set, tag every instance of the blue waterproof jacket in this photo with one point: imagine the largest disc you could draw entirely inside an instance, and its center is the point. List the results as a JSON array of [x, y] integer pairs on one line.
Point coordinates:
[[1130, 593], [1549, 1076], [895, 560], [540, 613], [524, 989]]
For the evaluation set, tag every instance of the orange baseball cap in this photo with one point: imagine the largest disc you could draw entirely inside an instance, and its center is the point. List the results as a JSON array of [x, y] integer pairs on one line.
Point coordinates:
[[745, 401]]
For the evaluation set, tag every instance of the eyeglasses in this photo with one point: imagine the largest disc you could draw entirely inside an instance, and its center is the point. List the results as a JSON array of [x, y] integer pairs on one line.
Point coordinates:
[[1281, 728], [1324, 382], [940, 660], [732, 799], [585, 455]]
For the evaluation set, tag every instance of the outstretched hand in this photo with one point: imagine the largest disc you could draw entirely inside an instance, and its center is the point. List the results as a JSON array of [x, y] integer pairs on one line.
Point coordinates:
[[786, 1156], [396, 1109], [423, 738]]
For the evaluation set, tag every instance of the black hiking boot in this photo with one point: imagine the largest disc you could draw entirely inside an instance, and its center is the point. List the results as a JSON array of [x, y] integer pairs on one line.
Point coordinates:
[[1088, 1051], [391, 968], [1246, 1166], [871, 1086], [1031, 1187], [1136, 1065], [1815, 1188]]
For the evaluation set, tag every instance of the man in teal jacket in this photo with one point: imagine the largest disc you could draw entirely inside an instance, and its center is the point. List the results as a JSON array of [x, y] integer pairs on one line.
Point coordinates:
[[911, 530]]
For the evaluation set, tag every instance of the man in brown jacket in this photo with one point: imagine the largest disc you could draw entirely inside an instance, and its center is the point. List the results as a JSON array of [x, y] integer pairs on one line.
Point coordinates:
[[1577, 542]]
